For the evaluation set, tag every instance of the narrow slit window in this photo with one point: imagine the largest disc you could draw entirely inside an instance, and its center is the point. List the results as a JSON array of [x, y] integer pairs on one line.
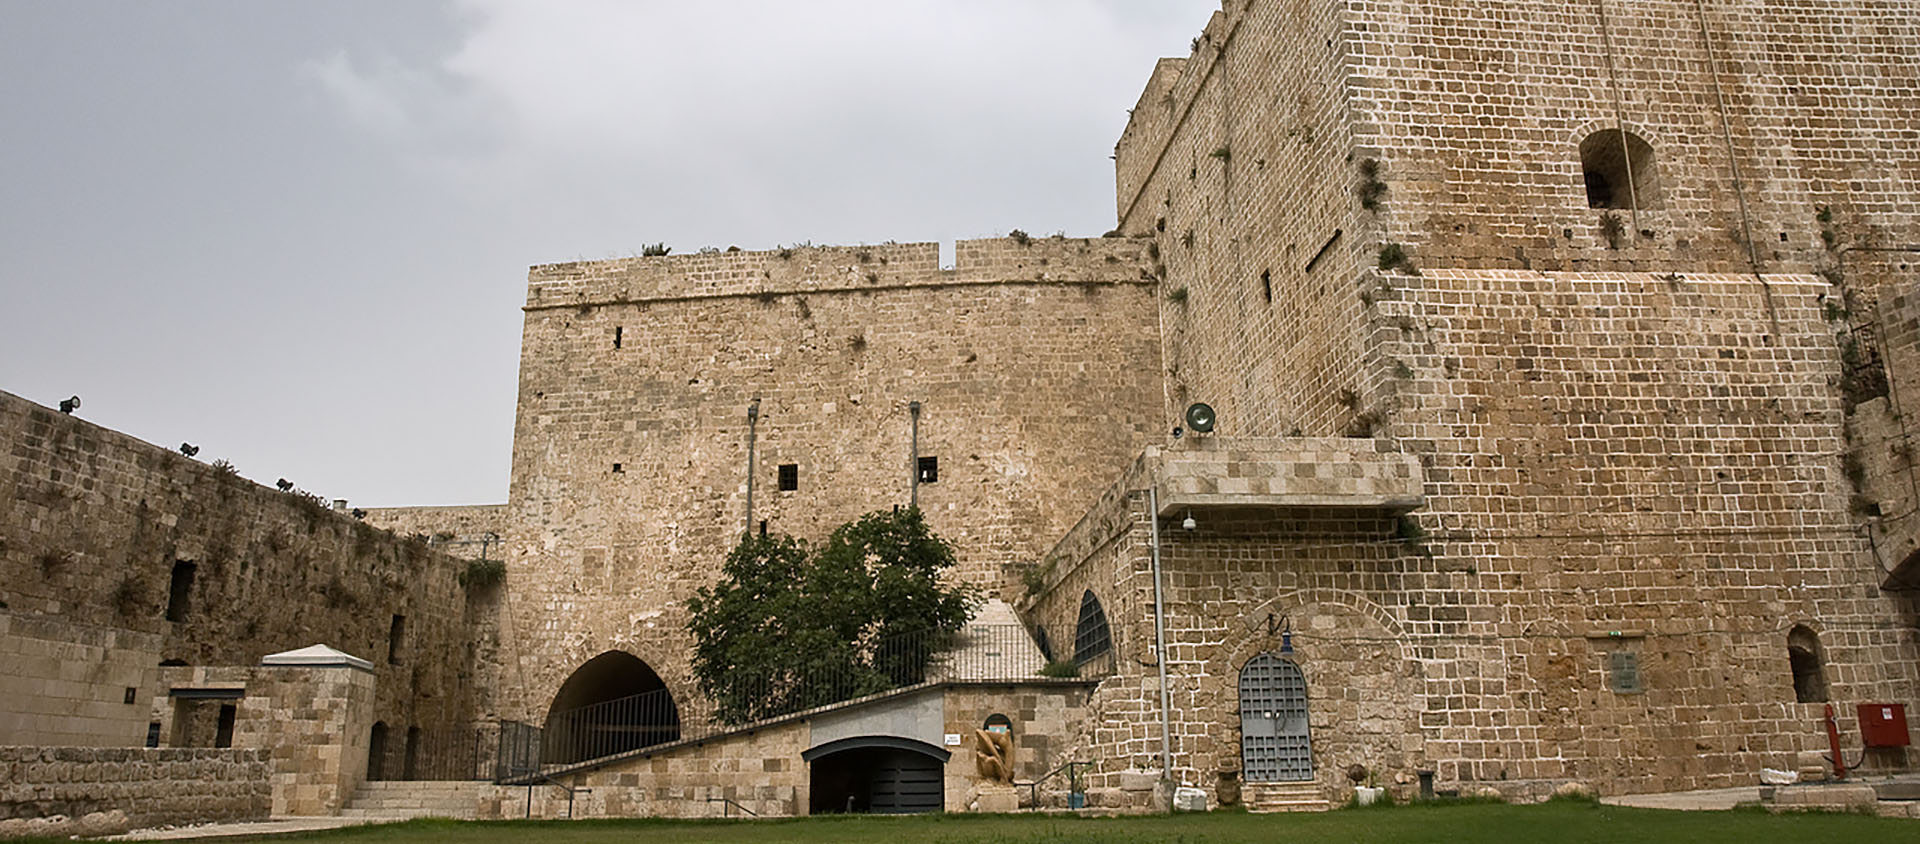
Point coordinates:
[[1266, 285], [397, 640], [617, 332], [1809, 671], [223, 728], [180, 590], [929, 470], [789, 477]]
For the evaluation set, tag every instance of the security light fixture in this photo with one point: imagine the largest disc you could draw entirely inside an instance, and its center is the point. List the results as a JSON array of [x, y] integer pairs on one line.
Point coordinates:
[[284, 485], [1200, 417], [70, 405], [1188, 524], [189, 449]]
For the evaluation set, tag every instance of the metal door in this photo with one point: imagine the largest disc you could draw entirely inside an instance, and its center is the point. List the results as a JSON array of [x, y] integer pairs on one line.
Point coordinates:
[[906, 783], [1274, 746]]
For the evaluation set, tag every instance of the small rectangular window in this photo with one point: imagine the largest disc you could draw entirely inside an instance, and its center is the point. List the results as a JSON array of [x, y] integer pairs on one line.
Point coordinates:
[[397, 640], [153, 733], [789, 477], [1624, 672], [131, 694], [617, 331], [929, 470], [179, 590]]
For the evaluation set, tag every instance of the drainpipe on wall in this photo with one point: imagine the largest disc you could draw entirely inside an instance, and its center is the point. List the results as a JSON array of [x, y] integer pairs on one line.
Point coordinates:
[[753, 430], [1160, 653], [913, 456]]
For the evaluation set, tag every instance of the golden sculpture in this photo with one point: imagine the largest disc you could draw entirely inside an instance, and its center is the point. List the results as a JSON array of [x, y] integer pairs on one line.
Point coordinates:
[[993, 752]]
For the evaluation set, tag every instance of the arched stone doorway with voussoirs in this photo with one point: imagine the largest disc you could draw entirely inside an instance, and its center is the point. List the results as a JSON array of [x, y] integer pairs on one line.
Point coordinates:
[[1356, 682], [613, 703]]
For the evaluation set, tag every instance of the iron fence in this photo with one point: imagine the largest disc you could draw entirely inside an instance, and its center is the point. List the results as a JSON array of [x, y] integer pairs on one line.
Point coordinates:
[[456, 753]]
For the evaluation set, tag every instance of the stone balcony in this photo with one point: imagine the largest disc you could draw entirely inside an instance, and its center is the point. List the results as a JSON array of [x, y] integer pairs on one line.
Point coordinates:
[[1201, 472]]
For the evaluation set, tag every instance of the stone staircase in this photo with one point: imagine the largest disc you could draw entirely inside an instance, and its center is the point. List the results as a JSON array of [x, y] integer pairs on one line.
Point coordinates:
[[399, 799], [1284, 797]]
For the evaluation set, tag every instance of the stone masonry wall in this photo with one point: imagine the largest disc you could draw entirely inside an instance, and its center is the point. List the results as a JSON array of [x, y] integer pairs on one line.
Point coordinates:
[[1272, 165], [147, 786], [64, 684], [1035, 365], [459, 530], [93, 524]]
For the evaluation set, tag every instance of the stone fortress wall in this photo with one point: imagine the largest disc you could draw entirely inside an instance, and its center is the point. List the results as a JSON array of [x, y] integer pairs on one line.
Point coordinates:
[[106, 535], [1616, 437], [1035, 366]]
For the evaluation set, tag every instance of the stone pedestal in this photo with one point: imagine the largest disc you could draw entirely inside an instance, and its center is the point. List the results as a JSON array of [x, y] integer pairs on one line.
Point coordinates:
[[996, 798]]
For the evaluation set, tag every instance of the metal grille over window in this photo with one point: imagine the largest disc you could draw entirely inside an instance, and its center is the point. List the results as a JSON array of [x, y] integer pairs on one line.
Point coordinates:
[[1091, 637], [1624, 672], [1274, 745]]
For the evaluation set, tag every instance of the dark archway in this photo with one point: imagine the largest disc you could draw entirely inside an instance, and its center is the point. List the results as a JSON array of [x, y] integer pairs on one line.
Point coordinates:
[[1619, 171], [377, 751], [612, 704], [882, 775]]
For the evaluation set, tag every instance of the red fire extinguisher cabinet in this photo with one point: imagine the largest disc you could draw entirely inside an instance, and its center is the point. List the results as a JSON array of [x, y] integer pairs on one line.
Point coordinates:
[[1883, 725]]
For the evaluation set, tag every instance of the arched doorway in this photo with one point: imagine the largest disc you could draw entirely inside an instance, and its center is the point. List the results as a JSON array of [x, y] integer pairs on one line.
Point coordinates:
[[612, 704], [1274, 745], [882, 775]]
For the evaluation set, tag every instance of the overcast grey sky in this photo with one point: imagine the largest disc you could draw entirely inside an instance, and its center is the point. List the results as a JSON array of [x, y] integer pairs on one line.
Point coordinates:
[[297, 234]]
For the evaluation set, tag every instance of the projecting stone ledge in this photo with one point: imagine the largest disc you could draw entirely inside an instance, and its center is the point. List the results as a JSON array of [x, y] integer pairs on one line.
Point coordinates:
[[1201, 472]]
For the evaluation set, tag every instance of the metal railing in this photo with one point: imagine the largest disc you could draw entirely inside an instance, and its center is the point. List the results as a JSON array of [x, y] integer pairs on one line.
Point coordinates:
[[1076, 785], [457, 753], [727, 807], [975, 653]]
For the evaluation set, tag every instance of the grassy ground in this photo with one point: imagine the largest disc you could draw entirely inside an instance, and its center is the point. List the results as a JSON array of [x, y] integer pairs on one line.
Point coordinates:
[[1559, 822]]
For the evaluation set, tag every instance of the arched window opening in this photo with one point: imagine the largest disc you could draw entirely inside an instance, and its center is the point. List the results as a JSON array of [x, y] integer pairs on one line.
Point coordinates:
[[1091, 638], [614, 703], [1620, 171], [1809, 665]]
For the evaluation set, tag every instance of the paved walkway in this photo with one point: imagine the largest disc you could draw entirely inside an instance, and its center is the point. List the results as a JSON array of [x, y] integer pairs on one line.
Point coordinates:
[[1711, 799], [274, 826]]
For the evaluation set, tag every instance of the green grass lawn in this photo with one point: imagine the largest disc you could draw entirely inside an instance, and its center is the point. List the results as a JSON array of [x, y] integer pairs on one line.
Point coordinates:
[[1559, 822]]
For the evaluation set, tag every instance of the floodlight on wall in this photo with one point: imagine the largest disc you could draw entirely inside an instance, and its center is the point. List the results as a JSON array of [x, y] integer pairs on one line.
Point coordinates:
[[70, 405], [1200, 417], [284, 485], [189, 449]]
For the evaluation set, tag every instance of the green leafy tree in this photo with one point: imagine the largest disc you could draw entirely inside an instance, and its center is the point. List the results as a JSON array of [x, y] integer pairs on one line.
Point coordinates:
[[787, 629]]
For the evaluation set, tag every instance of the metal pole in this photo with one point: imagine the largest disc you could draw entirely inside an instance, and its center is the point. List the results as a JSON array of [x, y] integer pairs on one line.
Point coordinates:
[[1160, 651], [753, 427], [913, 459]]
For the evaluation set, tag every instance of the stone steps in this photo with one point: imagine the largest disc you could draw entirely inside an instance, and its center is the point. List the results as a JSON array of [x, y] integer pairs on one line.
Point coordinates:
[[1284, 797], [399, 799]]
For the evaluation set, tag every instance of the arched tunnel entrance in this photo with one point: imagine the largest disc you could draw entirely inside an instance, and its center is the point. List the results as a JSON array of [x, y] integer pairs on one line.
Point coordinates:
[[612, 704], [882, 775]]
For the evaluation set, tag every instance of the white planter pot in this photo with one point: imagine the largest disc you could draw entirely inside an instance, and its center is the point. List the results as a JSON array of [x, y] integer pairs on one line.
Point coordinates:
[[1364, 796]]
